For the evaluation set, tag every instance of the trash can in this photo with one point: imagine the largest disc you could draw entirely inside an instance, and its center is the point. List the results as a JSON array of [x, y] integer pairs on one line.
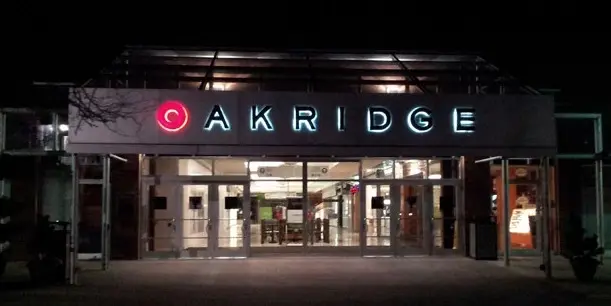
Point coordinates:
[[483, 241]]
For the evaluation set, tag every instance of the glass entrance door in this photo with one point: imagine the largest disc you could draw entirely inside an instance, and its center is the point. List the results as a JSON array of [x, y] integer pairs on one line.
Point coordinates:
[[427, 219], [230, 205], [378, 203], [191, 220]]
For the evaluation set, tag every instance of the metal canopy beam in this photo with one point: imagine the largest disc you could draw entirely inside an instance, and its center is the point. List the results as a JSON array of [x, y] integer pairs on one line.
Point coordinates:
[[409, 75], [208, 75]]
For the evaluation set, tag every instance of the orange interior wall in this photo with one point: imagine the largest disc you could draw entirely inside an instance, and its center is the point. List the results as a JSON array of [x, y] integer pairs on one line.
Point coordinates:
[[523, 240]]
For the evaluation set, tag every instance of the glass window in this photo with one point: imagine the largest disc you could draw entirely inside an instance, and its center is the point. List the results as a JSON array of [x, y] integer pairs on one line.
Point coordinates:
[[333, 170], [377, 169], [411, 168], [172, 166], [275, 170], [230, 166]]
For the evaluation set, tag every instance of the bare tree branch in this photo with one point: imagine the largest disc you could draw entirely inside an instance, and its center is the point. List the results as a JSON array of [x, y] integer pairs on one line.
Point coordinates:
[[107, 107]]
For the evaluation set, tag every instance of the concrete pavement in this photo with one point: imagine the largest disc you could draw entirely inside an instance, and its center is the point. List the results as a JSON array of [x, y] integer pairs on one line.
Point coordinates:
[[301, 281]]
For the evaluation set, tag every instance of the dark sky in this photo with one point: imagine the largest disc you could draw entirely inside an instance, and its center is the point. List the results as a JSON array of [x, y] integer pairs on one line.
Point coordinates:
[[562, 47]]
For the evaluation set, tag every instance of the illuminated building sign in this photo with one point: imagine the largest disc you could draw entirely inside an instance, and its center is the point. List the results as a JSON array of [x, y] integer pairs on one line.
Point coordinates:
[[379, 119], [172, 116], [228, 123]]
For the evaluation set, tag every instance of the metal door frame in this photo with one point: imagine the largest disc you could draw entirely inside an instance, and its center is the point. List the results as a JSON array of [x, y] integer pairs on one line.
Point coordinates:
[[395, 195], [213, 182]]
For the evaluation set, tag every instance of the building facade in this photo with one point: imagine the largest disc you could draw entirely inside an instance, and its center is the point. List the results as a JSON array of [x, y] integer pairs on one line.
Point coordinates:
[[184, 153]]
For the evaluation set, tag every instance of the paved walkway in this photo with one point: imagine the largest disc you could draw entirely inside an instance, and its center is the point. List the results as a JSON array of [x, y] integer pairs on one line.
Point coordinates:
[[302, 281]]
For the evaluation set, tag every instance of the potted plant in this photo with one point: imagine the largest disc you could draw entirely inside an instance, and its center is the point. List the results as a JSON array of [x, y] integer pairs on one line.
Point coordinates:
[[583, 255], [7, 208]]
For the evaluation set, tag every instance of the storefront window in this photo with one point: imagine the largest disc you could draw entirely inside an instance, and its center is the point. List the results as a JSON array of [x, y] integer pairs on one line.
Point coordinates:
[[333, 170], [377, 169], [411, 168], [230, 166], [525, 224]]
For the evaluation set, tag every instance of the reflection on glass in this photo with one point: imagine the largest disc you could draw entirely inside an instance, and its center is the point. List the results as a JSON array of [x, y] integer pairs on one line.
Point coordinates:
[[377, 215], [410, 231], [333, 170], [230, 166], [331, 220], [176, 166], [194, 239], [178, 222], [230, 223], [524, 224], [411, 168], [377, 168], [275, 170], [276, 206]]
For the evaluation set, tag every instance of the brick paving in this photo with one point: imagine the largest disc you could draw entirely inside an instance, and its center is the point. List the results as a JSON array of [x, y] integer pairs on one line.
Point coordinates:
[[300, 281]]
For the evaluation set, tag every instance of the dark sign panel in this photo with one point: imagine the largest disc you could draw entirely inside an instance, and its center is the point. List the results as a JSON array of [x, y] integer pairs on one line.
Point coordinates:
[[286, 123]]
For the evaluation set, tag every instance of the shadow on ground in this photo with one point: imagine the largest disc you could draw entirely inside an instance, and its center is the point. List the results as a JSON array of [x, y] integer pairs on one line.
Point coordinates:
[[301, 281]]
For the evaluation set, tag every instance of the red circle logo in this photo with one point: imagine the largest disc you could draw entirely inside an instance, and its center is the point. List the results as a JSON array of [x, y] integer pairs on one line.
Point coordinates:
[[172, 116]]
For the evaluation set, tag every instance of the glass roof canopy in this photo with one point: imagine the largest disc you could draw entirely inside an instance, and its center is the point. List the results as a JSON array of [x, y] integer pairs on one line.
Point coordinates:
[[306, 70]]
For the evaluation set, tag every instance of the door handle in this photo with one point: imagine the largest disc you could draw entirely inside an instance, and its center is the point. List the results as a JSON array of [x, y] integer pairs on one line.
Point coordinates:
[[209, 226]]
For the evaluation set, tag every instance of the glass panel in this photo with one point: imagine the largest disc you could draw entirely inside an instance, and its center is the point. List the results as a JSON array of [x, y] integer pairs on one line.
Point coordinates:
[[524, 198], [377, 168], [330, 212], [172, 166], [90, 225], [194, 166], [275, 170], [377, 215], [410, 227], [276, 212], [607, 203], [233, 166], [194, 208], [90, 167], [411, 168], [444, 220], [333, 170], [177, 220], [230, 220]]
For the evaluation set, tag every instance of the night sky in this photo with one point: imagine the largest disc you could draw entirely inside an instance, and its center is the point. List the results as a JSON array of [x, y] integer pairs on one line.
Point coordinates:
[[546, 47]]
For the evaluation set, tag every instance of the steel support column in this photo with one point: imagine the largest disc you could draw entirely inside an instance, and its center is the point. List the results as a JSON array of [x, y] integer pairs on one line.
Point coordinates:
[[74, 221], [105, 247], [546, 210], [3, 183], [599, 175], [459, 197], [506, 217]]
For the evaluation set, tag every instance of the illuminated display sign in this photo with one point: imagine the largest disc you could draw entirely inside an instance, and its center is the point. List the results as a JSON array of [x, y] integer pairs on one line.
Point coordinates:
[[379, 119], [317, 124]]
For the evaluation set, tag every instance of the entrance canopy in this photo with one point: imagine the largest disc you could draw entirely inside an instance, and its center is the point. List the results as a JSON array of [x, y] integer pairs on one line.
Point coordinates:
[[314, 124]]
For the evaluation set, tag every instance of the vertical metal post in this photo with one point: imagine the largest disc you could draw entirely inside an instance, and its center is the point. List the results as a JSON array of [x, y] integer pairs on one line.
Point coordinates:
[[305, 208], [598, 168], [395, 219], [361, 211], [55, 124], [506, 217], [105, 211], [74, 220], [459, 198], [3, 182], [547, 262], [427, 215]]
